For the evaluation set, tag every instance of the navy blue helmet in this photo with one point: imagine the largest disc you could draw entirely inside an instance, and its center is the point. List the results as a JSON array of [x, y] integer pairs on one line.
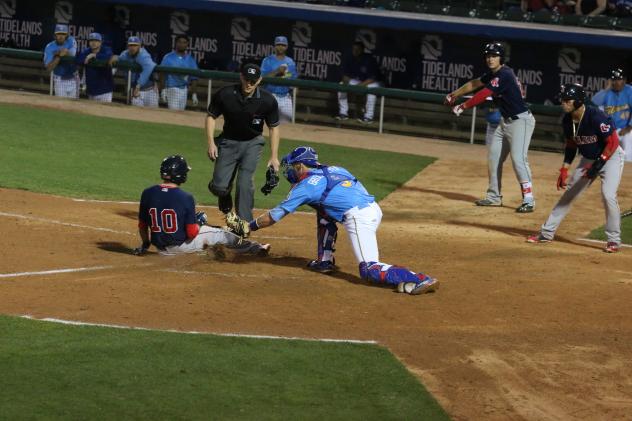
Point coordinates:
[[573, 91], [174, 168]]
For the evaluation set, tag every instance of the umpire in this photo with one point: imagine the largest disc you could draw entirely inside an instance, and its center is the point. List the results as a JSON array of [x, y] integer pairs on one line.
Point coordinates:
[[238, 148]]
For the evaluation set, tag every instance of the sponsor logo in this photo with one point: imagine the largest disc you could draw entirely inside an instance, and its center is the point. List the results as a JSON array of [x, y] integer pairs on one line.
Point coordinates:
[[179, 23], [7, 8], [569, 60], [301, 34], [63, 12], [368, 38], [240, 29], [431, 47]]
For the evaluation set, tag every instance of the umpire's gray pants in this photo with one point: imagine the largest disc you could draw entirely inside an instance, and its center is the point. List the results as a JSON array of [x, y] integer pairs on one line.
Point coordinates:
[[610, 176], [237, 158], [510, 137]]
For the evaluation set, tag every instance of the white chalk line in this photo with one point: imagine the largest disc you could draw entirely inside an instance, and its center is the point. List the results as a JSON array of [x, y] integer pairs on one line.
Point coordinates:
[[193, 332], [590, 240], [53, 271], [225, 274], [68, 224]]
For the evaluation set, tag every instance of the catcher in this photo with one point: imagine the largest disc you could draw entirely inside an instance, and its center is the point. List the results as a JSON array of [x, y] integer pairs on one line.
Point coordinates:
[[168, 213], [338, 197]]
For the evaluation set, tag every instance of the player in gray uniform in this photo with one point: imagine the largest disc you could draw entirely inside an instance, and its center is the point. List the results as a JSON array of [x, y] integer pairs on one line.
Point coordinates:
[[594, 134], [514, 131]]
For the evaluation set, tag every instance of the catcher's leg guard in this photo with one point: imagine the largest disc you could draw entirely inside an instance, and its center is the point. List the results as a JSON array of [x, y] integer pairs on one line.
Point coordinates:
[[386, 274], [327, 232]]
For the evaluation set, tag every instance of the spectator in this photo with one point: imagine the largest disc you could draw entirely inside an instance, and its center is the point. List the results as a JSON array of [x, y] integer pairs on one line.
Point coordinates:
[[144, 92], [590, 7], [176, 85], [536, 5], [616, 101], [280, 65], [360, 69], [65, 77], [620, 8], [99, 80]]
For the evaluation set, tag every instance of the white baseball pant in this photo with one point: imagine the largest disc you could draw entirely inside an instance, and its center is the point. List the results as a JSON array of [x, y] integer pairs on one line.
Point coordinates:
[[147, 98], [67, 88], [176, 98], [369, 108], [361, 226], [106, 97], [210, 236], [626, 144], [285, 107]]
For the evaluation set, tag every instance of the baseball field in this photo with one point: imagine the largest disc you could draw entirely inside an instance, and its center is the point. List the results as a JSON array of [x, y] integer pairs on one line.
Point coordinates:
[[517, 331]]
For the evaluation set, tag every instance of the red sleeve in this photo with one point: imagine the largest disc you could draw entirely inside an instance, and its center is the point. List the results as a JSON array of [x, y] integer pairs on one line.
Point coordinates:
[[478, 98], [192, 231], [142, 224], [612, 142]]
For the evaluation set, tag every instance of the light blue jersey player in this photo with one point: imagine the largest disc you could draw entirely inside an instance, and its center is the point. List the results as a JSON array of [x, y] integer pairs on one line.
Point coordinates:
[[339, 197], [65, 77], [616, 101], [144, 90], [282, 66], [176, 85]]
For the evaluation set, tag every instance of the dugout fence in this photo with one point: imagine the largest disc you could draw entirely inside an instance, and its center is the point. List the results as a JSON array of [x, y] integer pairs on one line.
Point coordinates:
[[397, 111]]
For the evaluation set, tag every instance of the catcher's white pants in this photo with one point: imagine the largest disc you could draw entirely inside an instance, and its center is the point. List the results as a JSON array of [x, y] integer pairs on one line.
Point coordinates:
[[148, 98], [68, 88], [285, 107], [626, 143], [369, 108], [210, 236], [106, 97], [176, 98], [361, 226]]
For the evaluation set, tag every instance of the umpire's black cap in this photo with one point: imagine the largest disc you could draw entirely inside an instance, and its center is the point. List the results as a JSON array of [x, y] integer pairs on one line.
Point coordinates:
[[251, 72]]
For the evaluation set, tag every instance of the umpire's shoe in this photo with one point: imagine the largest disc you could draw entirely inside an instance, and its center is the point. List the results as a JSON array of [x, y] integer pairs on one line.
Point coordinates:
[[321, 266], [526, 208], [487, 202]]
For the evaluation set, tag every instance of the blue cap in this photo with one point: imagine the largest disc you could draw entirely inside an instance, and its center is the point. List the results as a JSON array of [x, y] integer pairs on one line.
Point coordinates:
[[133, 40], [61, 28], [95, 36], [280, 40]]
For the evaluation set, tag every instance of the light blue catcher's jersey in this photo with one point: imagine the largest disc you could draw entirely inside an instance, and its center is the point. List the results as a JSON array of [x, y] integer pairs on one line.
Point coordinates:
[[186, 61], [342, 197], [66, 69], [617, 105], [271, 63]]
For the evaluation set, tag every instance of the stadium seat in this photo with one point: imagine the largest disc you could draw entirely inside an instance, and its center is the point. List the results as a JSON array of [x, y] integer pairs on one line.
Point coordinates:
[[462, 11], [601, 21], [544, 16], [489, 14], [572, 20], [516, 15], [624, 24], [411, 6]]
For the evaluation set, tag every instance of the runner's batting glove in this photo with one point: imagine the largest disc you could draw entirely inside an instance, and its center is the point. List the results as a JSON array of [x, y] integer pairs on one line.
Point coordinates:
[[591, 170], [449, 100], [237, 225], [458, 109], [561, 180], [140, 250], [272, 180], [194, 100], [200, 218]]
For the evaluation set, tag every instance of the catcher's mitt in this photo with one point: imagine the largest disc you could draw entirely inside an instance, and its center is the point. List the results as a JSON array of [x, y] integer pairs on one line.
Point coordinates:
[[272, 180], [237, 225]]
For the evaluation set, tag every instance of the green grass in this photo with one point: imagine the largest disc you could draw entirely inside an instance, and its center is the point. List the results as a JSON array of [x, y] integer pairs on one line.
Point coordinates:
[[103, 158], [52, 371], [626, 231]]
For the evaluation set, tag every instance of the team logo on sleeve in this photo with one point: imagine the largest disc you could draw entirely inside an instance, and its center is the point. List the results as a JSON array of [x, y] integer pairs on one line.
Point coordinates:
[[605, 128], [346, 183], [495, 82]]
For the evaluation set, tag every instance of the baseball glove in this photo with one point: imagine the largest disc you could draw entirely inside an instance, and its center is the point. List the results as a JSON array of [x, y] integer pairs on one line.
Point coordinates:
[[237, 225], [272, 180]]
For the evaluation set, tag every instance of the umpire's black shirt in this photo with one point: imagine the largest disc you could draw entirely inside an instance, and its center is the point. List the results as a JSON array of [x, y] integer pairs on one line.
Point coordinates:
[[244, 116]]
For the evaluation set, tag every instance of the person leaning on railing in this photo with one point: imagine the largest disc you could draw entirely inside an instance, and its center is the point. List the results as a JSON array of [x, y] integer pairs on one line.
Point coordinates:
[[65, 77], [144, 92], [175, 86], [280, 65], [99, 80]]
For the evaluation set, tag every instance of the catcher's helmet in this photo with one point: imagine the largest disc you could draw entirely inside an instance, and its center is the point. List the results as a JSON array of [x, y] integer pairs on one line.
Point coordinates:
[[302, 155], [573, 91], [617, 74], [174, 168], [495, 48]]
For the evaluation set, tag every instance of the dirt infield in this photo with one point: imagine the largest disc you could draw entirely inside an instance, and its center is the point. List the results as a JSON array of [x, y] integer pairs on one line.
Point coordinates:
[[517, 331]]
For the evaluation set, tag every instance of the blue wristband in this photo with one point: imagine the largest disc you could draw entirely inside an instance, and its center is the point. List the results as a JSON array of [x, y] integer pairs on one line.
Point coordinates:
[[253, 225]]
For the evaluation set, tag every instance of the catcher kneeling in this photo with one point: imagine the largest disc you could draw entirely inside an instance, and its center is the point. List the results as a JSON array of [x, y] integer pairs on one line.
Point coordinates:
[[337, 196]]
